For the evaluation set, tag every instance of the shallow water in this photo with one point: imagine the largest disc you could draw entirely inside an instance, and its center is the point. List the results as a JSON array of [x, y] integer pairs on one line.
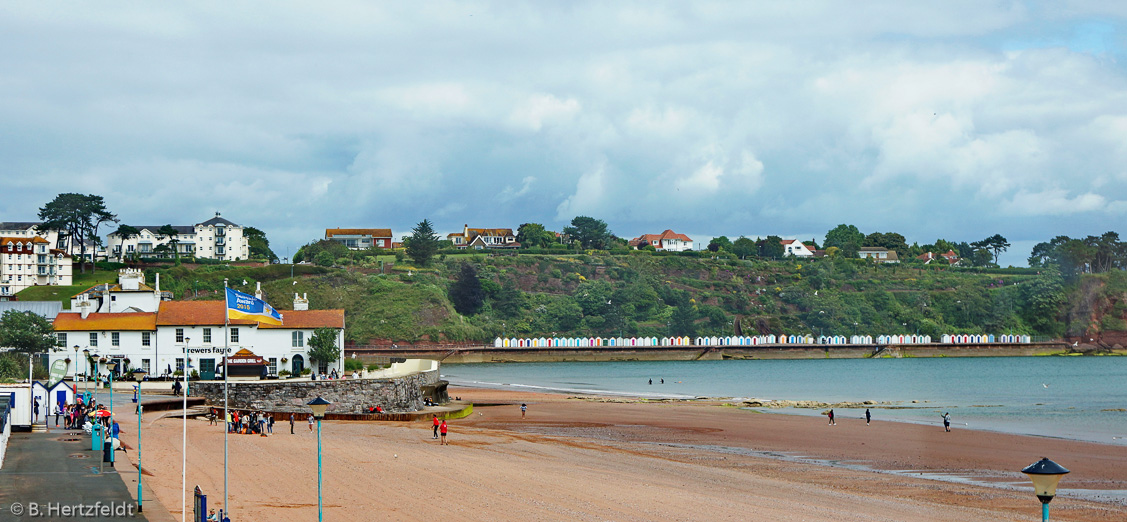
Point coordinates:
[[1067, 397]]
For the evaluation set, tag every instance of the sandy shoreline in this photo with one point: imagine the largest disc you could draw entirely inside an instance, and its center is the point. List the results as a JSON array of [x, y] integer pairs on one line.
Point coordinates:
[[612, 459]]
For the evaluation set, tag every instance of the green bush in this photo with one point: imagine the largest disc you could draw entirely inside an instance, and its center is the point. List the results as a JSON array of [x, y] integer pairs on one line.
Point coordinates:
[[351, 365]]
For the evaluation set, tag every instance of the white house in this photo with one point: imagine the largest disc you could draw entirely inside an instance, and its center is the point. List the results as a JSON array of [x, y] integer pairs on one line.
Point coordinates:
[[55, 240], [878, 254], [483, 238], [216, 238], [182, 332], [794, 247], [130, 294], [30, 261], [360, 238], [668, 241]]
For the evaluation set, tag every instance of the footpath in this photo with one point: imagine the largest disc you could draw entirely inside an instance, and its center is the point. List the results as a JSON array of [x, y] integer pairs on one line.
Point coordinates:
[[54, 475]]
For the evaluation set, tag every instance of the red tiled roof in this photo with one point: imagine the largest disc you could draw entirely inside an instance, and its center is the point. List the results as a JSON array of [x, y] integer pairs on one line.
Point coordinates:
[[32, 239], [374, 232], [787, 241], [132, 321], [664, 236], [308, 319], [190, 313]]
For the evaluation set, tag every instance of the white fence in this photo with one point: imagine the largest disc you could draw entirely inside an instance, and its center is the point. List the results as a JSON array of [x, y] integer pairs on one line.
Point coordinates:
[[641, 342]]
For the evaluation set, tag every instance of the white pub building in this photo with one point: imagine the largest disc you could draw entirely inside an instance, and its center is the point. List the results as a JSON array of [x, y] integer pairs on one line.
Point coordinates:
[[129, 324]]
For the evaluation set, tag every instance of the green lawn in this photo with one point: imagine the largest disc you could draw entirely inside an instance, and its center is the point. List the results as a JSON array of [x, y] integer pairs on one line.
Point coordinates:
[[64, 293]]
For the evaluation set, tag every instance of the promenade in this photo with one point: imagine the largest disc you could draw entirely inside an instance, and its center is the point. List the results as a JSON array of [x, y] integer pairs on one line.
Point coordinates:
[[54, 475]]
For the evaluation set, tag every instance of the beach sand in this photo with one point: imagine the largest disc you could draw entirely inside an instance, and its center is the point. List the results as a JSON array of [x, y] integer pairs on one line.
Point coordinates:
[[615, 459]]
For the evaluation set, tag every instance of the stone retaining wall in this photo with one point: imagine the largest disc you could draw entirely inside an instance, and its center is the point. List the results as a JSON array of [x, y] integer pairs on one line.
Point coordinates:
[[347, 395]]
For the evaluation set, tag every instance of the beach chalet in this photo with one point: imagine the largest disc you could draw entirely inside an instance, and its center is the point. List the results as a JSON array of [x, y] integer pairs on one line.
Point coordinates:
[[360, 238], [669, 241], [192, 334], [878, 254], [794, 247], [483, 238]]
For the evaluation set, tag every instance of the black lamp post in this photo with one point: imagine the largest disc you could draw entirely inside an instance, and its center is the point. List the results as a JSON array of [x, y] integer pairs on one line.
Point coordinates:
[[1045, 475]]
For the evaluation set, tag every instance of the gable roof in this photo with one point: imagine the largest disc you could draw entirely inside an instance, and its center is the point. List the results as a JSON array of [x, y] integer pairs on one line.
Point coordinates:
[[787, 241], [73, 321], [181, 230], [19, 225], [308, 319], [472, 232], [664, 236], [217, 221], [374, 232], [32, 239]]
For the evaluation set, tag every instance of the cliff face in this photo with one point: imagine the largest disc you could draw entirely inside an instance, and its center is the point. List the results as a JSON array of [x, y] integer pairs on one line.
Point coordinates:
[[1096, 310]]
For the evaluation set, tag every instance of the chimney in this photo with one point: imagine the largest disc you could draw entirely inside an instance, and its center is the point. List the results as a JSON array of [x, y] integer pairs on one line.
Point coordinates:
[[258, 290], [83, 305], [300, 303], [158, 282]]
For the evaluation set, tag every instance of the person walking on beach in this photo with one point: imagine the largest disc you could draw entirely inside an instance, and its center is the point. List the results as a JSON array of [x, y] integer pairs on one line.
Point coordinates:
[[442, 430], [523, 409], [868, 416], [291, 424], [310, 423], [435, 427], [832, 423], [946, 421]]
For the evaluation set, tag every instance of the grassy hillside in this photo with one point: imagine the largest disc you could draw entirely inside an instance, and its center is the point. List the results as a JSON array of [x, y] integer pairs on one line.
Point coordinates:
[[647, 294], [64, 293]]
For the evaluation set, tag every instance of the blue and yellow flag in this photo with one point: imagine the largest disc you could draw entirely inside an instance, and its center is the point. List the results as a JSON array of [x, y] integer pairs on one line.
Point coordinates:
[[246, 306]]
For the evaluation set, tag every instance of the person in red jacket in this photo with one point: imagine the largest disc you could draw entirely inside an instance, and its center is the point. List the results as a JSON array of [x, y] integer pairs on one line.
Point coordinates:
[[442, 430], [435, 427]]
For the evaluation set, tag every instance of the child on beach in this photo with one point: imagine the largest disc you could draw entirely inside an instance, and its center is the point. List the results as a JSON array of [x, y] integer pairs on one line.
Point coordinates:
[[442, 430], [946, 421], [311, 424], [523, 408]]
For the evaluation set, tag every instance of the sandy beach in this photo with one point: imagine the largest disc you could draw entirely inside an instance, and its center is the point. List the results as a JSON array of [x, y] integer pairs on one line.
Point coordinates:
[[613, 459]]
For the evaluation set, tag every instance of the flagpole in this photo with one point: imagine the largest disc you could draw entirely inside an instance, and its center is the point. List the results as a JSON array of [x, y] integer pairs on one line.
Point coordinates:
[[226, 370]]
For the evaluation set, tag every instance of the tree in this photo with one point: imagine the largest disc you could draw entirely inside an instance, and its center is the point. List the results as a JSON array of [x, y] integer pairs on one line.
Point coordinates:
[[995, 244], [534, 235], [259, 245], [125, 232], [589, 232], [76, 217], [771, 248], [683, 321], [845, 237], [720, 243], [323, 346], [324, 258], [743, 247], [170, 233], [26, 332], [466, 293], [422, 244], [890, 240], [509, 300]]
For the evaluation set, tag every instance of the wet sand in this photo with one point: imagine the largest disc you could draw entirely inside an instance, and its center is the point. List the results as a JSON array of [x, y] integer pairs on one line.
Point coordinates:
[[609, 459]]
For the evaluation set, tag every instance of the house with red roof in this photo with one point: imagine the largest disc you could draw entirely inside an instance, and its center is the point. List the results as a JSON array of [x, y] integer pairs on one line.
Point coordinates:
[[360, 238], [30, 261], [794, 247], [950, 257], [668, 241]]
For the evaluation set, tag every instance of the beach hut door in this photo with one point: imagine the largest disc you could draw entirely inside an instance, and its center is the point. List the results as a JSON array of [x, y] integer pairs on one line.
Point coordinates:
[[60, 398]]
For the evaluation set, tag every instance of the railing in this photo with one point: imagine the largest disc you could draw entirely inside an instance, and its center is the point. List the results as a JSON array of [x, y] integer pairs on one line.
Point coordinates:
[[641, 342]]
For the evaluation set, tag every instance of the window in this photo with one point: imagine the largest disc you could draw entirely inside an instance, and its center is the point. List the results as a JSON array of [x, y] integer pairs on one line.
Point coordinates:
[[61, 339], [234, 335], [179, 335], [298, 339], [273, 364], [115, 338], [93, 339], [145, 364], [180, 363], [207, 335], [146, 340]]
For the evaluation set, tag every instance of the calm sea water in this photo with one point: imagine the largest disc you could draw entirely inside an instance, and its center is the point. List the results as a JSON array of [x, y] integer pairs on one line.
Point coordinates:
[[1069, 397]]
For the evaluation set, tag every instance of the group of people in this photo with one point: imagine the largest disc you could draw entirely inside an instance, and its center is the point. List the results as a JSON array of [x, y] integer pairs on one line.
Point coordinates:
[[246, 422], [440, 429], [869, 417], [333, 375]]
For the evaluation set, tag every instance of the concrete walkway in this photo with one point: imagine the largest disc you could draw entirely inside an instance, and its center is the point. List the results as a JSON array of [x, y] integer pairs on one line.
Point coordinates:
[[50, 470]]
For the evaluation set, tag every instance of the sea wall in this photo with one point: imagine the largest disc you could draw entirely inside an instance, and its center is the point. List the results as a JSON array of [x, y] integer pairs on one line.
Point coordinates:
[[400, 394], [490, 354]]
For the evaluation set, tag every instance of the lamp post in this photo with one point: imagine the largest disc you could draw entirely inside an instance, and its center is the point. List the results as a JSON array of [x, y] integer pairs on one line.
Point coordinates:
[[1045, 475], [318, 407], [76, 368], [140, 409]]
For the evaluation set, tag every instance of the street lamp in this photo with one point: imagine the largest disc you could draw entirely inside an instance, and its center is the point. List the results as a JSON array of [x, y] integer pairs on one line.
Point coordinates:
[[76, 368], [318, 406], [1045, 475]]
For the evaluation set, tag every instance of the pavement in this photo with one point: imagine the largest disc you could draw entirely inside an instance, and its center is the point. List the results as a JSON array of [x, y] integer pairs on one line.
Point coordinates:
[[54, 475]]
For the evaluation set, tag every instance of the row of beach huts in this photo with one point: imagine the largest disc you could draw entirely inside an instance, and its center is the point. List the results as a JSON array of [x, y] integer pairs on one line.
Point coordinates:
[[757, 340]]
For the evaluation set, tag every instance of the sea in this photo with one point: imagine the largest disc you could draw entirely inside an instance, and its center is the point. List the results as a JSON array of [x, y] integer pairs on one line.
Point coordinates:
[[1080, 398]]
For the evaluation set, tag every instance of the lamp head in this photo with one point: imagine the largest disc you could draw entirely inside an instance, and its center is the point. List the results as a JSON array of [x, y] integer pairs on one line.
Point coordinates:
[[86, 353], [1045, 475], [318, 406]]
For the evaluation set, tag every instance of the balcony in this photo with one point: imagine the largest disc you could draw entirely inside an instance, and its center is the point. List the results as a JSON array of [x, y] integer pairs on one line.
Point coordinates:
[[219, 240], [220, 231]]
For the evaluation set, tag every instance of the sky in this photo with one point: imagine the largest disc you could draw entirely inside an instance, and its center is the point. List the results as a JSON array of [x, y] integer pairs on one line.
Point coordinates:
[[954, 120]]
